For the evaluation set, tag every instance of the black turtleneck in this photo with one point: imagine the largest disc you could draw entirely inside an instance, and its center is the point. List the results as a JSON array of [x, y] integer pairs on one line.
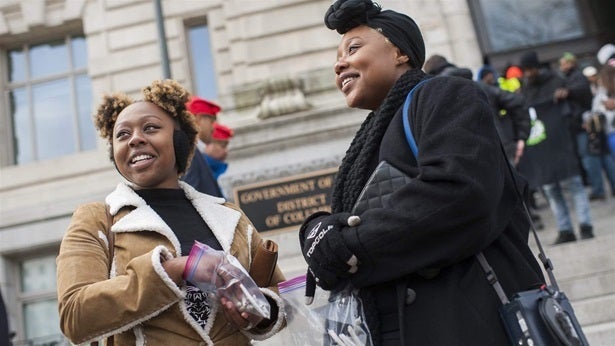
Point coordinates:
[[178, 212]]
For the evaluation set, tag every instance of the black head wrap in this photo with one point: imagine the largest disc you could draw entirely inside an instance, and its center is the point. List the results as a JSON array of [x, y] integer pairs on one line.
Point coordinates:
[[400, 29]]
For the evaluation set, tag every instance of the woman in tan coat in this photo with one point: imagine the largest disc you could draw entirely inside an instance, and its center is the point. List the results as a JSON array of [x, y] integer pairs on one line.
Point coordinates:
[[121, 262]]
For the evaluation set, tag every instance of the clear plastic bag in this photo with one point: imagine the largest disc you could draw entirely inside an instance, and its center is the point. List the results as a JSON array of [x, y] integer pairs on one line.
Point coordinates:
[[335, 318], [221, 275]]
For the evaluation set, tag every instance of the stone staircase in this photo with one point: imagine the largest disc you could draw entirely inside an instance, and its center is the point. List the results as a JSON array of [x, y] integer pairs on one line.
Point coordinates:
[[585, 271]]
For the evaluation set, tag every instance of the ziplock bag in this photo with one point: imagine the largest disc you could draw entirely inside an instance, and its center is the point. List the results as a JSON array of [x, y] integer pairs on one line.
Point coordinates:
[[221, 275], [334, 318]]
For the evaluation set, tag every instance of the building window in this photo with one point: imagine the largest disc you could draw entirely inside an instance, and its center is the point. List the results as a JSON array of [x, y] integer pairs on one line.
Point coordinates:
[[508, 25], [50, 100], [38, 302], [201, 58]]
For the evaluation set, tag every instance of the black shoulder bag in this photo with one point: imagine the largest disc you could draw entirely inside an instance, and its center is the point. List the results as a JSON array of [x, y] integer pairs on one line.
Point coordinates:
[[538, 317]]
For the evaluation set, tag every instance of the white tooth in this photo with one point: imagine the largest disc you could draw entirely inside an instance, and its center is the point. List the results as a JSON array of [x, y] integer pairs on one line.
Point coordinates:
[[346, 81], [140, 157]]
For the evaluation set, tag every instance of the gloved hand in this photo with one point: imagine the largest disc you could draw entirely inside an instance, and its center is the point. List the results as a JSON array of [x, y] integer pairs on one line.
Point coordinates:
[[324, 250]]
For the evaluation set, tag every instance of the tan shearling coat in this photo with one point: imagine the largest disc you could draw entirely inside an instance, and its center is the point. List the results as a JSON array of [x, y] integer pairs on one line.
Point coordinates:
[[131, 297]]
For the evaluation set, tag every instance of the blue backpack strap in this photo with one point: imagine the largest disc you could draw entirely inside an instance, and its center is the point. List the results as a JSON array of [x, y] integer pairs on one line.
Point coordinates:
[[409, 136]]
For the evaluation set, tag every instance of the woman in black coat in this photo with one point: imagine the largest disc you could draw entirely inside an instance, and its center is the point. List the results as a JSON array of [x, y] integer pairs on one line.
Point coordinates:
[[414, 258]]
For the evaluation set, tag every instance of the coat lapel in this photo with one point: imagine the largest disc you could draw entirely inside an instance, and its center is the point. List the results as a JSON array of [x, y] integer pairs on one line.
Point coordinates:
[[221, 220]]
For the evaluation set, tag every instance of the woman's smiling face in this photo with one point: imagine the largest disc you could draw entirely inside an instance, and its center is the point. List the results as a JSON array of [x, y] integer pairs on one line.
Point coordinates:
[[367, 67], [143, 146]]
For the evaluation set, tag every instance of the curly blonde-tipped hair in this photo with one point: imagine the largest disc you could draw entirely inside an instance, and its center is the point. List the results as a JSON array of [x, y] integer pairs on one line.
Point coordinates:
[[167, 94]]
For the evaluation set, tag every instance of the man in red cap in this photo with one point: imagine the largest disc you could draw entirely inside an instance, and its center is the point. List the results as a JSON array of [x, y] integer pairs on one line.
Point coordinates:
[[217, 151], [199, 174]]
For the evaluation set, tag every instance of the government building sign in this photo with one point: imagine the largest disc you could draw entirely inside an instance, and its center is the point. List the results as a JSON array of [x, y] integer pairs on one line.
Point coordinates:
[[283, 204]]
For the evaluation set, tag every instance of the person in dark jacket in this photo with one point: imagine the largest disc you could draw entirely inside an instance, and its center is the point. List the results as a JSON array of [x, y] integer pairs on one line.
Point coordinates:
[[512, 120], [413, 260], [552, 162], [199, 175], [4, 325], [437, 65], [577, 91]]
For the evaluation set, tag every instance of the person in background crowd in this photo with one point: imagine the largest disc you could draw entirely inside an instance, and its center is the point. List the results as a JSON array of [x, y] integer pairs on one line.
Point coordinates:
[[199, 174], [437, 65], [606, 53], [577, 91], [4, 324], [597, 125], [413, 259], [511, 118], [552, 162], [512, 122], [217, 151], [591, 73], [604, 101], [511, 81], [134, 292], [606, 98], [488, 74]]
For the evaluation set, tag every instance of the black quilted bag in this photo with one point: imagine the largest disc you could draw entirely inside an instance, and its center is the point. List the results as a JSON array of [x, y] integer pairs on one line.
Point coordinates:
[[385, 180]]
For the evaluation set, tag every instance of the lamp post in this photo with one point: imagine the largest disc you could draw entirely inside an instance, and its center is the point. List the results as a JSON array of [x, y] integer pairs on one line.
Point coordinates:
[[162, 39]]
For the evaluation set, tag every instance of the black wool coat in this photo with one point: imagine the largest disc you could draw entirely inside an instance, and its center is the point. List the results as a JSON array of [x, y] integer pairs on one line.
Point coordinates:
[[579, 96], [417, 253], [555, 158]]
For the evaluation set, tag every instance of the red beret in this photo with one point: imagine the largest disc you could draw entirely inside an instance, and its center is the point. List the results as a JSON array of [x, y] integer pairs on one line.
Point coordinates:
[[199, 106], [221, 132]]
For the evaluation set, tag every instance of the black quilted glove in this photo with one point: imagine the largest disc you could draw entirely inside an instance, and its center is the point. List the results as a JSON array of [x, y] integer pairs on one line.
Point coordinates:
[[324, 250]]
